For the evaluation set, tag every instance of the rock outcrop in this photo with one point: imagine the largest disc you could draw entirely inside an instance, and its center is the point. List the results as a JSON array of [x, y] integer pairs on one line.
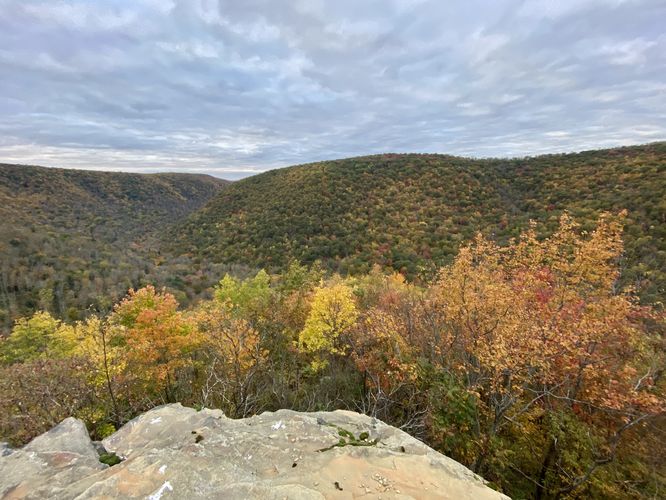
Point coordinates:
[[177, 452]]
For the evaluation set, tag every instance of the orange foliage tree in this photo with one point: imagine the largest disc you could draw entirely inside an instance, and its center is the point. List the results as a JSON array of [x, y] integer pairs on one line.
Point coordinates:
[[537, 329], [232, 356], [158, 341], [382, 348]]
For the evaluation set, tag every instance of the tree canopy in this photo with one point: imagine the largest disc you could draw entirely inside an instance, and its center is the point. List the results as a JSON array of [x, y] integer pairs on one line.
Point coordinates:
[[530, 361]]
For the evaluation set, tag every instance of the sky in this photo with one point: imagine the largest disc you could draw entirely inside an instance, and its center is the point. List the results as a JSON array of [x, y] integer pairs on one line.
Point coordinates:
[[233, 88]]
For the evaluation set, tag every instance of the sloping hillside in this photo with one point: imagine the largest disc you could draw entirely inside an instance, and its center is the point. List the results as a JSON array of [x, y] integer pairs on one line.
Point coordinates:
[[72, 239], [411, 212]]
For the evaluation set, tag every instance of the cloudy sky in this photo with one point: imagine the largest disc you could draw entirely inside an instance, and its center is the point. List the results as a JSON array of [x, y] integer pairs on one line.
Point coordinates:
[[237, 87]]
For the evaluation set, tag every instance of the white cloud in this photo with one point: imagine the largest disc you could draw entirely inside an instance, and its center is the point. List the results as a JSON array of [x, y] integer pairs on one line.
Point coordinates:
[[556, 9], [629, 52], [239, 87], [80, 15]]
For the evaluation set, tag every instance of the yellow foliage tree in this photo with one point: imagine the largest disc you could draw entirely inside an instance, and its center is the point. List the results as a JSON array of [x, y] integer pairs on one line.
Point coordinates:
[[333, 312], [31, 338], [100, 344]]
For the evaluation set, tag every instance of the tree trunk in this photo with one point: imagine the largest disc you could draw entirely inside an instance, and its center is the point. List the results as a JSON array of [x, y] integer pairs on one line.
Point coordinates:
[[548, 459]]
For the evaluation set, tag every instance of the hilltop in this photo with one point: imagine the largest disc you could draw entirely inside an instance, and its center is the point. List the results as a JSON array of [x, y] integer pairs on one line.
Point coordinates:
[[411, 212], [72, 239]]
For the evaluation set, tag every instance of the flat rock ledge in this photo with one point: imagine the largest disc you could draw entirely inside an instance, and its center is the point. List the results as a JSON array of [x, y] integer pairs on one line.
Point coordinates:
[[177, 452]]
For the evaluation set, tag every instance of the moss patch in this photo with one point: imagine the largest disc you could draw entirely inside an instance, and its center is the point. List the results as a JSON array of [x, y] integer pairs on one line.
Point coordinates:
[[109, 459]]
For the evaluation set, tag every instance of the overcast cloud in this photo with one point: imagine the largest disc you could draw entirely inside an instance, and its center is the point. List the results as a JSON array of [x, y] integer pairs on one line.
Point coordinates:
[[236, 87]]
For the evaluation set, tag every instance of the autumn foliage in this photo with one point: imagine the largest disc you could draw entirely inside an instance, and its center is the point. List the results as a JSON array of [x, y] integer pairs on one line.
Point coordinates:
[[526, 361], [158, 341], [537, 331]]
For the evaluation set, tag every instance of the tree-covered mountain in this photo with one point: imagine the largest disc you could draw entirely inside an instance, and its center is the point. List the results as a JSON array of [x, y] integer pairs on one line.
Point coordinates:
[[523, 360], [73, 239], [411, 212]]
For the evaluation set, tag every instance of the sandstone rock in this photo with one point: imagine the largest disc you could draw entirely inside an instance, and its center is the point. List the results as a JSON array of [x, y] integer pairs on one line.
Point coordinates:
[[177, 452], [49, 464]]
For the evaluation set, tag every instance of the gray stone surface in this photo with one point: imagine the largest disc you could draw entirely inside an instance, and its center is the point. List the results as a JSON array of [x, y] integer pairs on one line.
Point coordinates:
[[50, 463], [177, 452]]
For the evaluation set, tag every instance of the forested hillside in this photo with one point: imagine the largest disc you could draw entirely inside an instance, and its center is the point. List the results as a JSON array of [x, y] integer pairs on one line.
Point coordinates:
[[72, 240], [524, 362], [518, 353], [411, 212]]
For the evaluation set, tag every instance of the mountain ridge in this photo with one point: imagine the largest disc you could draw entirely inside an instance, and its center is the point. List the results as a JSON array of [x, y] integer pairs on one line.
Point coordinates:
[[75, 239], [68, 234], [406, 211]]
